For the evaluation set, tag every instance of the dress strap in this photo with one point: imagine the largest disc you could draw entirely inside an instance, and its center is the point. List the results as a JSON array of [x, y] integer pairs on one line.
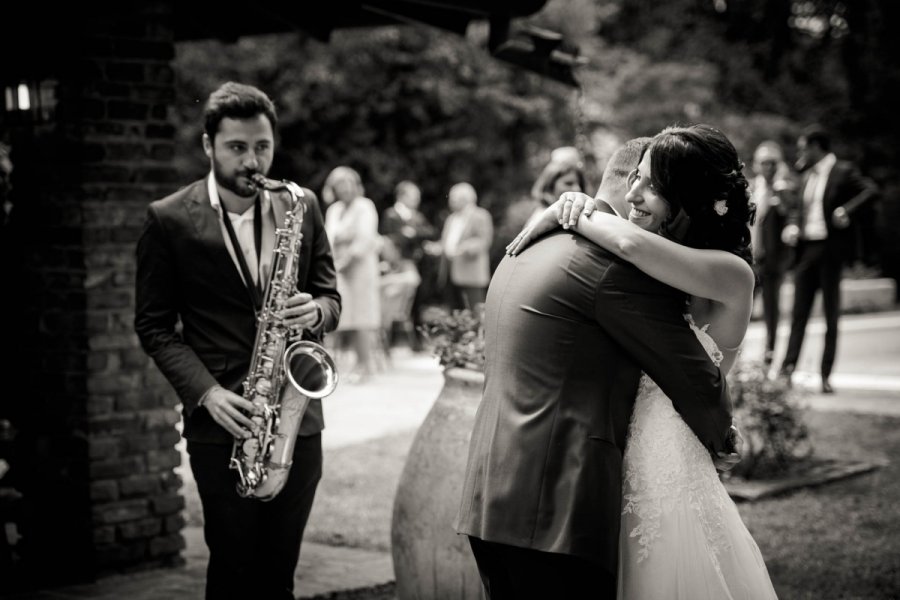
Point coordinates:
[[735, 349]]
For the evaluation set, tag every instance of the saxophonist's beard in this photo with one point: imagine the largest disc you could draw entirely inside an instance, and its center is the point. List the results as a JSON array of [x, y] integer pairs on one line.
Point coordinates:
[[238, 182]]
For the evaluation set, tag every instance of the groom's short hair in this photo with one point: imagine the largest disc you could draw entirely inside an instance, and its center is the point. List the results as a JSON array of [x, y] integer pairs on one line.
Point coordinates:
[[625, 159], [622, 162]]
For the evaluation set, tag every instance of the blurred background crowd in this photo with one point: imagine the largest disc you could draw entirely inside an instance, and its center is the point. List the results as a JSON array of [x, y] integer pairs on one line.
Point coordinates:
[[429, 155], [450, 152]]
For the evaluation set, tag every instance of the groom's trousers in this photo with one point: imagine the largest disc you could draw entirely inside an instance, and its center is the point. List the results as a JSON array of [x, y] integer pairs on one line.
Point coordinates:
[[513, 573]]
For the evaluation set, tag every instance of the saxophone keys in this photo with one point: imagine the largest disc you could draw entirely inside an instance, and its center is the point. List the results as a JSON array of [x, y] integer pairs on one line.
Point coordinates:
[[250, 448], [263, 386]]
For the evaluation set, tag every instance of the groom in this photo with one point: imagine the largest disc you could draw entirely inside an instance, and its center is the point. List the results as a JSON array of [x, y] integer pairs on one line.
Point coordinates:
[[568, 330]]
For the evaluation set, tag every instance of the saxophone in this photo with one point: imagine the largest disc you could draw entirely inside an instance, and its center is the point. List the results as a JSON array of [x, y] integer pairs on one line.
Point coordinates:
[[263, 460]]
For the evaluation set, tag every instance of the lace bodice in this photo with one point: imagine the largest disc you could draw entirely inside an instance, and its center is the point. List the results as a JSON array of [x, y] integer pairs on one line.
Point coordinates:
[[666, 466]]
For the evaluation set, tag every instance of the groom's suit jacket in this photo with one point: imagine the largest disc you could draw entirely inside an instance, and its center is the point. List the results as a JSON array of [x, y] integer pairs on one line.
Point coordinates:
[[568, 329], [193, 314]]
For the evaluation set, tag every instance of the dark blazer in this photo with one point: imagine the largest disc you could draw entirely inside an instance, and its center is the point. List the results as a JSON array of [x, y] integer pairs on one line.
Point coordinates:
[[568, 328], [193, 314], [846, 187], [407, 234]]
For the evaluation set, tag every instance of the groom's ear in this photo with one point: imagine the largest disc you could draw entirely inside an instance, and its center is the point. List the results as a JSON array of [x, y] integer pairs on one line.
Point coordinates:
[[603, 205], [676, 227]]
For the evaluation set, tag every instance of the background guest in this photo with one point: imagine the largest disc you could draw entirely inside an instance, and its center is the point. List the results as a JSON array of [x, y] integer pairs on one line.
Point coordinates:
[[563, 172], [351, 221], [773, 192], [405, 228], [466, 242], [832, 191], [558, 176]]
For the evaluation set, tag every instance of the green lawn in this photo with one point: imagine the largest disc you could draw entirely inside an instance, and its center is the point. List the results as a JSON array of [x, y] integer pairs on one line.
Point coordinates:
[[355, 498], [839, 540], [842, 539]]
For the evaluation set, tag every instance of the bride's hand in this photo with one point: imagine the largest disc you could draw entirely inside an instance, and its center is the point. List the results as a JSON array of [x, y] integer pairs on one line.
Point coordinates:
[[566, 211], [548, 221], [571, 205]]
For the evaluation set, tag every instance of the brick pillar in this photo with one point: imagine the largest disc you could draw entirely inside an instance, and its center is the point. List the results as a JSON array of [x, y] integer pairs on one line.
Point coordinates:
[[102, 494]]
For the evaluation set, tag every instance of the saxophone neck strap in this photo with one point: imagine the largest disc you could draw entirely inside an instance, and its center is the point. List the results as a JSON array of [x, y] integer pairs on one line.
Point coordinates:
[[254, 289]]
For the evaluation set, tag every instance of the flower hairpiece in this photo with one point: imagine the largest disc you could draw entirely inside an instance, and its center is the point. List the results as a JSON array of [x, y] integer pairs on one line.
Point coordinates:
[[721, 207]]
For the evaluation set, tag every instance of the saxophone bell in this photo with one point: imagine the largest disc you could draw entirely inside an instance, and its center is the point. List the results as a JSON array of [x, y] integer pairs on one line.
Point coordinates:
[[310, 369]]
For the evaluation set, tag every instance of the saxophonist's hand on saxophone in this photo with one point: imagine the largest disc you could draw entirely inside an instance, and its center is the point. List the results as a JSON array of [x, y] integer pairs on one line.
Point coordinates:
[[300, 313], [231, 411]]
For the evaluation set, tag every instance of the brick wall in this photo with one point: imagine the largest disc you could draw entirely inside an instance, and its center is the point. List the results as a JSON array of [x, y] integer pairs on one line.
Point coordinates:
[[102, 494]]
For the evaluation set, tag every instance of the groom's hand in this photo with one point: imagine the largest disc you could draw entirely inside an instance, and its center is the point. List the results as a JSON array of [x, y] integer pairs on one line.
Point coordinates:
[[725, 461]]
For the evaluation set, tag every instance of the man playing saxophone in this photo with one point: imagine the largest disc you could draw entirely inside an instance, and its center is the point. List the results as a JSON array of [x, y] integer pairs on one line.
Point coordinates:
[[203, 263]]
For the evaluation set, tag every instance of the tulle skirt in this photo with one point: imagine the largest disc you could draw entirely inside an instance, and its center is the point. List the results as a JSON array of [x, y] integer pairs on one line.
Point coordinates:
[[682, 537], [683, 566]]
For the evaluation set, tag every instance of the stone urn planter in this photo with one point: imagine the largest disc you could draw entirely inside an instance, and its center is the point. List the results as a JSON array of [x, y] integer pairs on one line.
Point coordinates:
[[431, 561]]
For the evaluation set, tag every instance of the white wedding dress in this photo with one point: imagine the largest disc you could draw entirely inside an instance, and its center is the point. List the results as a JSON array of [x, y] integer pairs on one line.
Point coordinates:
[[682, 536]]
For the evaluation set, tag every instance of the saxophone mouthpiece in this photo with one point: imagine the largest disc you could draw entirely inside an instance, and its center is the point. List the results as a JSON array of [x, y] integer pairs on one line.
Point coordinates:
[[264, 183]]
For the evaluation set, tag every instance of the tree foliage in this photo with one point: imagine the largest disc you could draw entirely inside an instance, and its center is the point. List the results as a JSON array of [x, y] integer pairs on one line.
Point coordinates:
[[763, 69], [807, 60], [417, 103], [394, 103]]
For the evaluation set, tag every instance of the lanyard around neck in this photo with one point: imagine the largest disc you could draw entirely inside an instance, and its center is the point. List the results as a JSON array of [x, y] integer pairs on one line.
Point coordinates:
[[255, 290]]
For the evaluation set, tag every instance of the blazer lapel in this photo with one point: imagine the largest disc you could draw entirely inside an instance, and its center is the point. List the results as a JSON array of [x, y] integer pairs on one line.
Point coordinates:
[[209, 231]]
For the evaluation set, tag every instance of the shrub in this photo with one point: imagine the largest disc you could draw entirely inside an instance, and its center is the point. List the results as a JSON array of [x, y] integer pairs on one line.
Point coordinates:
[[770, 419], [456, 338]]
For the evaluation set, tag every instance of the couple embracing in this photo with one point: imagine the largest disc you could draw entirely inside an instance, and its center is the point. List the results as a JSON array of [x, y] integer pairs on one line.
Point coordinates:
[[592, 469]]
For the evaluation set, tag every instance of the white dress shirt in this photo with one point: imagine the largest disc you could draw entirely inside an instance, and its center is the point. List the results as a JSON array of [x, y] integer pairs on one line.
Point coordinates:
[[814, 224], [243, 230]]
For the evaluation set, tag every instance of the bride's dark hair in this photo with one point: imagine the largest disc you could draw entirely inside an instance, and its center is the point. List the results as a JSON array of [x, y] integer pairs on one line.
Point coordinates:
[[697, 169]]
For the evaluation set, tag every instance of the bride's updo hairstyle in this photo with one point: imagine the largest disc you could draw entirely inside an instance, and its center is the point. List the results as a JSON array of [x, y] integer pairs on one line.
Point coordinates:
[[697, 169]]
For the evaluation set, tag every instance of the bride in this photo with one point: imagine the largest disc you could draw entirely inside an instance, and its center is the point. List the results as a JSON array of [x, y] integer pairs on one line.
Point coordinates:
[[681, 535]]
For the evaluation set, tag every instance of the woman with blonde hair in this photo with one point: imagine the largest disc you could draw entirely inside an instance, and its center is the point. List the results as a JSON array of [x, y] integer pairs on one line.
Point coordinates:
[[562, 174], [351, 221]]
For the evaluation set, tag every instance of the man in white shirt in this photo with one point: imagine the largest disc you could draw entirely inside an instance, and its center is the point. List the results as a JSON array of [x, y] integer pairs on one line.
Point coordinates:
[[831, 191], [203, 261]]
